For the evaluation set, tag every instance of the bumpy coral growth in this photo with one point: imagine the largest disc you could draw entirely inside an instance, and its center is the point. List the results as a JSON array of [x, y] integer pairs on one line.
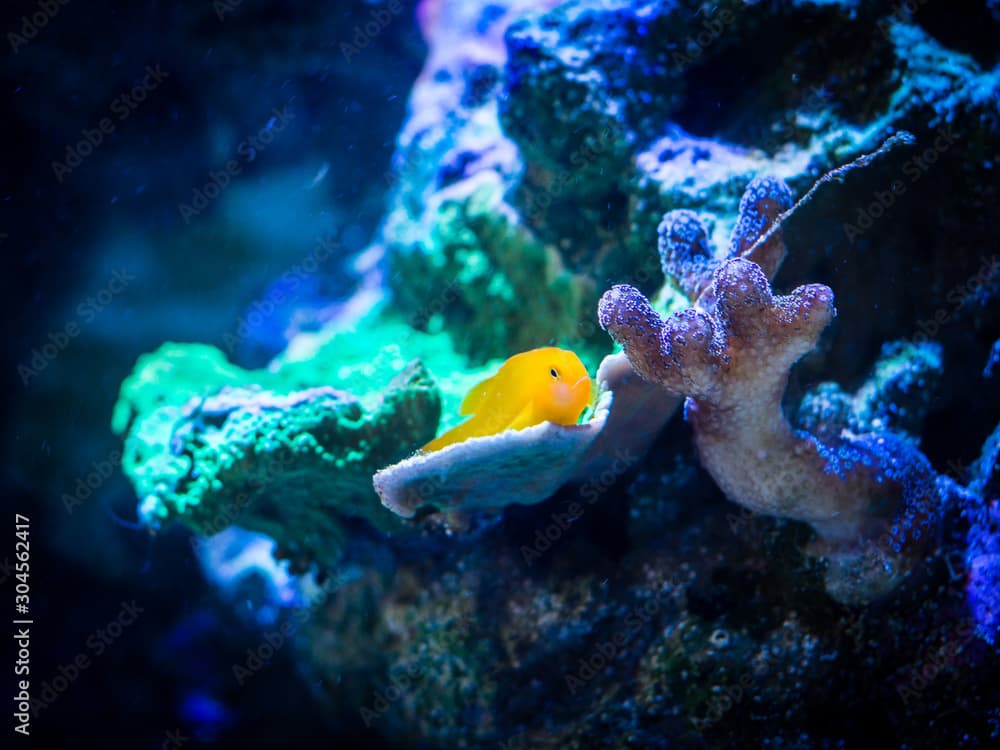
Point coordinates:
[[871, 497], [295, 465], [895, 397], [983, 560], [983, 554], [685, 252]]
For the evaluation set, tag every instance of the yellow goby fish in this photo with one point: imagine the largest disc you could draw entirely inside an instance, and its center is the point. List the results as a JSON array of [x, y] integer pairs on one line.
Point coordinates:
[[541, 385]]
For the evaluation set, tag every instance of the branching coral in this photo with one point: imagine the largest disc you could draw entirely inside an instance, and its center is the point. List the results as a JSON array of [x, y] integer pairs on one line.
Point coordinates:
[[527, 466], [731, 355], [685, 251]]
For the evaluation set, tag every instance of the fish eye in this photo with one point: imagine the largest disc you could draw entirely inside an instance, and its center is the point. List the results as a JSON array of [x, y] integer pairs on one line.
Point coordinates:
[[554, 372]]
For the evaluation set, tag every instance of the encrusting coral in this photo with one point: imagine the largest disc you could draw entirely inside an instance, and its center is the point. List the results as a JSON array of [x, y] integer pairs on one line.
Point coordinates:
[[288, 451], [895, 397], [730, 355], [310, 472]]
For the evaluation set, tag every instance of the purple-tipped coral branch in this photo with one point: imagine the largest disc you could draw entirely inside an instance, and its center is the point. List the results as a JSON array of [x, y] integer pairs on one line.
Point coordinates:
[[871, 497], [686, 255]]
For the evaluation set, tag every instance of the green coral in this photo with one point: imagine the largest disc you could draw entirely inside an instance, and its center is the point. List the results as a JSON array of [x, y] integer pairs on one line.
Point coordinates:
[[212, 444], [479, 273], [170, 376]]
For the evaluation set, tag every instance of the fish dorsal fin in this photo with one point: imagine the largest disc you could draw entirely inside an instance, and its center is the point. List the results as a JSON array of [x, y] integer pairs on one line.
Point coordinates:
[[475, 398], [476, 395]]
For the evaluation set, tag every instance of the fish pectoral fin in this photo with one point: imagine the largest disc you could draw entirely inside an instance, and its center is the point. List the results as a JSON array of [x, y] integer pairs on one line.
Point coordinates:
[[475, 397], [524, 418], [468, 428]]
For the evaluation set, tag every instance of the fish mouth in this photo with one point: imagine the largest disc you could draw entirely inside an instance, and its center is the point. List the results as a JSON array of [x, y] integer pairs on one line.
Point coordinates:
[[585, 383], [568, 395]]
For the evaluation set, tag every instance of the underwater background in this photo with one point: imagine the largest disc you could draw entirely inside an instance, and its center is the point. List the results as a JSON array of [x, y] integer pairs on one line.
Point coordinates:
[[256, 254]]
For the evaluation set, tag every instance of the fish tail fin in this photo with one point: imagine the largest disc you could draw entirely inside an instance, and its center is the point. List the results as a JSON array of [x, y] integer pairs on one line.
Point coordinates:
[[469, 428]]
